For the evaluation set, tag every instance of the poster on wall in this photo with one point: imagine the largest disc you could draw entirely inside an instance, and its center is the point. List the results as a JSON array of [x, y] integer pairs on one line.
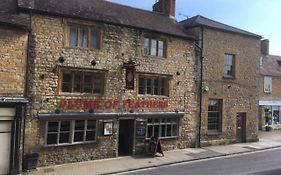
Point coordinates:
[[141, 128], [107, 128]]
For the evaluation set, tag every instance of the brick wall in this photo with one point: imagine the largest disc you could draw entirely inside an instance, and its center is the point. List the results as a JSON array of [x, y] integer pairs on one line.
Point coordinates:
[[276, 86], [119, 44], [12, 61]]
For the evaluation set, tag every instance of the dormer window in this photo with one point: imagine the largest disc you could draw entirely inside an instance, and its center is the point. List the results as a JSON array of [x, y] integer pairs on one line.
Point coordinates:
[[154, 47]]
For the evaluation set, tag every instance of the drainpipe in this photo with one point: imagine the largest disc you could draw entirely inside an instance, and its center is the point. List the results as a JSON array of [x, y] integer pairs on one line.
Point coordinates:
[[200, 47]]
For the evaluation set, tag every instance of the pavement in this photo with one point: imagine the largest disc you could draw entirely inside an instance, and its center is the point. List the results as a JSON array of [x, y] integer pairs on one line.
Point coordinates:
[[267, 140]]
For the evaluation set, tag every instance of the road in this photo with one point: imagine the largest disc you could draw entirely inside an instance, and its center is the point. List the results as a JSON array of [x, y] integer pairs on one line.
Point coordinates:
[[258, 163]]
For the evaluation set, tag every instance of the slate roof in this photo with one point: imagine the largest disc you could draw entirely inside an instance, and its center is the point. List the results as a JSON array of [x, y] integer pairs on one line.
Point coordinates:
[[209, 23], [271, 65], [107, 12], [9, 15]]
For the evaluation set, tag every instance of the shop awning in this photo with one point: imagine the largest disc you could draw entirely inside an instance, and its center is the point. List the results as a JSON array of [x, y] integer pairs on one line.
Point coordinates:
[[270, 102], [87, 115]]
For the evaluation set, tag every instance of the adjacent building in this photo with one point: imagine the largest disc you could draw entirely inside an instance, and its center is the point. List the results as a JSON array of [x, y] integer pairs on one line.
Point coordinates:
[[229, 89], [269, 91], [13, 61]]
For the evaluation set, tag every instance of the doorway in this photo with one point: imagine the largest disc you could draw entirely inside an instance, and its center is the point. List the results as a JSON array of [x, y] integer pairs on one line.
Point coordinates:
[[126, 137], [241, 127]]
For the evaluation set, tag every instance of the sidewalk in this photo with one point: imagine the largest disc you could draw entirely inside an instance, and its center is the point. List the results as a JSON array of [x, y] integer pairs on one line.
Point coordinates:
[[110, 166]]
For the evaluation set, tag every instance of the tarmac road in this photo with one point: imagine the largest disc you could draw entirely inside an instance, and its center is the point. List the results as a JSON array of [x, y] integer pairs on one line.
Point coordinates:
[[266, 162]]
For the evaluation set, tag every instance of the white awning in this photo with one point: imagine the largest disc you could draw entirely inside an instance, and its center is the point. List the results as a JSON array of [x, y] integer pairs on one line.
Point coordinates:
[[270, 102]]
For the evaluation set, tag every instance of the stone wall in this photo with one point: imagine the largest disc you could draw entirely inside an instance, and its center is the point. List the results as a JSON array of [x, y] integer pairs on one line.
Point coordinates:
[[239, 94], [119, 45], [12, 61]]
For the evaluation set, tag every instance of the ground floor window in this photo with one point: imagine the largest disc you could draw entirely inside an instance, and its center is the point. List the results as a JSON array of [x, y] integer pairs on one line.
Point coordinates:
[[273, 115], [214, 115], [70, 132], [162, 127]]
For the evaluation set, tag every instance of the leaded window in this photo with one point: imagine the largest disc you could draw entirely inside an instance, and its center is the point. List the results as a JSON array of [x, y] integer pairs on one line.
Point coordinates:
[[153, 86], [83, 36], [154, 47], [82, 82]]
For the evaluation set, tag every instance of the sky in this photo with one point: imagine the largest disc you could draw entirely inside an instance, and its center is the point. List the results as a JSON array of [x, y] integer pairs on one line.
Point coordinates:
[[262, 17]]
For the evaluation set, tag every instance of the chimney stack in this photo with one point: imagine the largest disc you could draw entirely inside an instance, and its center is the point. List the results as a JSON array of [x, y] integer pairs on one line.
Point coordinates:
[[165, 7], [265, 47]]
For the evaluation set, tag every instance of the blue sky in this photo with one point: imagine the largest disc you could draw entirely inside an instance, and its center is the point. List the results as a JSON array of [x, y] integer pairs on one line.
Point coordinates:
[[262, 17]]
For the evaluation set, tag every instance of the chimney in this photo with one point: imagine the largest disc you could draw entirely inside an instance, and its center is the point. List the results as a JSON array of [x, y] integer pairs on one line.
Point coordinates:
[[166, 7], [265, 47]]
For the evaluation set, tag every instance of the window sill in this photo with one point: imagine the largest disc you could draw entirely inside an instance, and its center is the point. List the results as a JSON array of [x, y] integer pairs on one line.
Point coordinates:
[[164, 138], [214, 133], [153, 56], [228, 77], [81, 48], [152, 96], [80, 94], [70, 144]]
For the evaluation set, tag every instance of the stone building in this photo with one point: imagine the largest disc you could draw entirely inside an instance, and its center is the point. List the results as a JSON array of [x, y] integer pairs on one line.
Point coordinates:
[[229, 93], [269, 89], [104, 78], [13, 60]]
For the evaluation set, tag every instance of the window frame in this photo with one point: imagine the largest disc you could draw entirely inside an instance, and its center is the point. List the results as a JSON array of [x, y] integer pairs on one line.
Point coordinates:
[[71, 133], [267, 80], [147, 47], [160, 87], [83, 73], [79, 26], [219, 112], [232, 65], [175, 122]]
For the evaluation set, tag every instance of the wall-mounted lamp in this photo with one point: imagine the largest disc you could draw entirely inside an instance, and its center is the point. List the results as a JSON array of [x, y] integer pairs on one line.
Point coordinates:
[[60, 63], [57, 111], [130, 67], [93, 62]]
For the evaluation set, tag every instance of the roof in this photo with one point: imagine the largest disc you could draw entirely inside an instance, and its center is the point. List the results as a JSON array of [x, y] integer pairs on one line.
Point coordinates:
[[9, 15], [270, 65], [205, 22], [107, 12]]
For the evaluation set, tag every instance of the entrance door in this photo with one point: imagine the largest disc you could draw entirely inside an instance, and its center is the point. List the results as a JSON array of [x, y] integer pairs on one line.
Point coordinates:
[[241, 127], [6, 120], [5, 146], [126, 137]]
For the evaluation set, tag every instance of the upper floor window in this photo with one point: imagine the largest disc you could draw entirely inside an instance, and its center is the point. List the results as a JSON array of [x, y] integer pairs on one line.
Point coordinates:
[[82, 82], [154, 47], [267, 84], [214, 115], [153, 85], [229, 65], [83, 36]]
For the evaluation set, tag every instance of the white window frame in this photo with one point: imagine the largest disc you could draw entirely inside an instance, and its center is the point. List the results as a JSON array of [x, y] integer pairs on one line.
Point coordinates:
[[71, 134], [173, 123], [267, 84]]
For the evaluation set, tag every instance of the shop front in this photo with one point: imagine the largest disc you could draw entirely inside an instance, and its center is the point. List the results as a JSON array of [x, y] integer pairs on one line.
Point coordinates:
[[116, 133], [270, 112]]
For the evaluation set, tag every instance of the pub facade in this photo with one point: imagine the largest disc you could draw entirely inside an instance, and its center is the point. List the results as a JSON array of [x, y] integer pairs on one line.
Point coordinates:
[[102, 84]]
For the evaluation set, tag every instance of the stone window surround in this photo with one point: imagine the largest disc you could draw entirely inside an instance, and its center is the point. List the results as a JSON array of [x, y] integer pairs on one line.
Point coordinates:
[[154, 76], [68, 22], [90, 71], [219, 124], [233, 64], [157, 39], [71, 133]]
